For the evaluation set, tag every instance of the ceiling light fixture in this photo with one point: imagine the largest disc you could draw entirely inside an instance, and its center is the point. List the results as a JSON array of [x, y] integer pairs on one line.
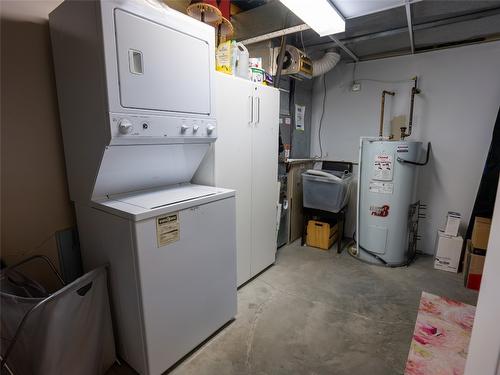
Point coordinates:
[[320, 15]]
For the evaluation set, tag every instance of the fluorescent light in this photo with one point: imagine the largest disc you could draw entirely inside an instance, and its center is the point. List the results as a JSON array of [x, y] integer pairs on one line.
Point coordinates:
[[320, 15]]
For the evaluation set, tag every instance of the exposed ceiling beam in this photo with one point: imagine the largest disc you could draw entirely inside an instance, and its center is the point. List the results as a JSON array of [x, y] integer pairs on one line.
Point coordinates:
[[422, 26], [341, 45], [410, 28], [276, 34], [410, 25], [381, 55], [296, 29]]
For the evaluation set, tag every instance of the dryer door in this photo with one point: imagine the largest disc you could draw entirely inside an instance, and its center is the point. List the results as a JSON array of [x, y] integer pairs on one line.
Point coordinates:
[[161, 68]]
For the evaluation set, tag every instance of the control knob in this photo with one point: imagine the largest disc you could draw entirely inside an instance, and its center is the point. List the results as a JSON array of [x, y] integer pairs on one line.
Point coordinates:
[[210, 129], [184, 127], [125, 126]]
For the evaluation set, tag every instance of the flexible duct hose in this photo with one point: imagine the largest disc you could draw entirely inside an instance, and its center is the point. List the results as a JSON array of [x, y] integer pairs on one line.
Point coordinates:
[[326, 63]]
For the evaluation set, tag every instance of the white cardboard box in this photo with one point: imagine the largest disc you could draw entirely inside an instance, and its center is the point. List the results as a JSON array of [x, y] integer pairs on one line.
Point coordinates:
[[448, 251], [452, 223]]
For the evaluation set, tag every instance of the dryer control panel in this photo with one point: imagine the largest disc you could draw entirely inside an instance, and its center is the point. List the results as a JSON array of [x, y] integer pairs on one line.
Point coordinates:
[[136, 129]]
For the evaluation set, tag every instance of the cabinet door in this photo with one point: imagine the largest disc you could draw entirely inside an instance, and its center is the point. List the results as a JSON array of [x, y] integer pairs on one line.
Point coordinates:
[[265, 192], [233, 153]]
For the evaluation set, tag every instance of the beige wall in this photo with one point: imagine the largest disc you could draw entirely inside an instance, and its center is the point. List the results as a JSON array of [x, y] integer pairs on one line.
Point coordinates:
[[34, 193]]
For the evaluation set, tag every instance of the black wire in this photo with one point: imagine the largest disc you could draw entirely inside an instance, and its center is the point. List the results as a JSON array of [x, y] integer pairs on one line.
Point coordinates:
[[291, 106], [281, 55], [354, 72], [322, 115]]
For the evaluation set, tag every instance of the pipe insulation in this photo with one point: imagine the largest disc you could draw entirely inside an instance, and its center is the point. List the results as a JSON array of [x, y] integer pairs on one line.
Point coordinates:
[[325, 63]]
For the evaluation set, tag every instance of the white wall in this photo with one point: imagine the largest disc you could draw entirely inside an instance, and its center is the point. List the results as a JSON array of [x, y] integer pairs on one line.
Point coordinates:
[[456, 112], [484, 347]]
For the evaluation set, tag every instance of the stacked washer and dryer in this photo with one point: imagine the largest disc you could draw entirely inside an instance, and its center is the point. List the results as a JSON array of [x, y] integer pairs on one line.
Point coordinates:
[[136, 96]]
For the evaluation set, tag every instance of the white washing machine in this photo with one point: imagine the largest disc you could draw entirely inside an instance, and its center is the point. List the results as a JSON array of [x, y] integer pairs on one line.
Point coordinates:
[[136, 96], [172, 268]]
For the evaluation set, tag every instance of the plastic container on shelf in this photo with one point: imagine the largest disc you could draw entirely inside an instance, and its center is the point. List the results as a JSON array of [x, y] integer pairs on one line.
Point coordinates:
[[242, 64], [326, 190]]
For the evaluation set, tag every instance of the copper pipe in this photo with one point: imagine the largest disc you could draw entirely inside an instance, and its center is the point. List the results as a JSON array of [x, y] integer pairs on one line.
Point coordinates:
[[382, 108], [414, 91]]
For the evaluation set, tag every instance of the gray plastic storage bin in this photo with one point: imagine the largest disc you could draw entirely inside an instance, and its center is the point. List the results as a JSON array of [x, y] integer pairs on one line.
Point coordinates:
[[324, 193]]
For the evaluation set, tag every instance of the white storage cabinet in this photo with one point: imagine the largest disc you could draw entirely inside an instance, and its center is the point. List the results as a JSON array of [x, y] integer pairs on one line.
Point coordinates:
[[245, 158]]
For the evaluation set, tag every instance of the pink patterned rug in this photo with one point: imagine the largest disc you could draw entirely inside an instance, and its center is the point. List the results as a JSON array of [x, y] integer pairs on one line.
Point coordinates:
[[441, 337]]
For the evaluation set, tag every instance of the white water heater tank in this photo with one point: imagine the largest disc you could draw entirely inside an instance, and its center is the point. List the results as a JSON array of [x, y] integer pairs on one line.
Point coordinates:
[[386, 190]]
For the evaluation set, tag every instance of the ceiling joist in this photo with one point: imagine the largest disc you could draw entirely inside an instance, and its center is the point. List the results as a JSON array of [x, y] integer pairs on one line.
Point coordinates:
[[410, 25], [343, 47], [276, 34], [422, 26]]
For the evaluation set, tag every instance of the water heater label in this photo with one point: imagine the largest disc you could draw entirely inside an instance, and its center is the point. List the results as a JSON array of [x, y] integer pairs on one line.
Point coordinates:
[[381, 187], [382, 167], [167, 229], [382, 211], [402, 148]]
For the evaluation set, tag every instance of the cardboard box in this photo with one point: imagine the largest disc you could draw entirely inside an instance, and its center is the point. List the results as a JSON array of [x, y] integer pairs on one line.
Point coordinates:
[[473, 269], [452, 223], [321, 235], [481, 233], [448, 252]]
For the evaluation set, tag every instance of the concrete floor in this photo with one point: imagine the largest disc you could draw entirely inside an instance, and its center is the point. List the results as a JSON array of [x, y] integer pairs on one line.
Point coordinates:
[[317, 312]]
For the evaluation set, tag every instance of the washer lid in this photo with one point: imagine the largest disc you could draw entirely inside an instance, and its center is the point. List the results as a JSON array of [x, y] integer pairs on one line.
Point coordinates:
[[152, 199], [149, 203]]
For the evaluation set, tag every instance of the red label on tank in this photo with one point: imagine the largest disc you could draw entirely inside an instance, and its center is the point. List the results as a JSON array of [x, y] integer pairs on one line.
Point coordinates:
[[381, 211]]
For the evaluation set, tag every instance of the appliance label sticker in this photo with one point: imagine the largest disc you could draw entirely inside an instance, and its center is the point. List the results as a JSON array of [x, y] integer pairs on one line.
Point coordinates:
[[382, 167], [300, 112], [167, 229], [402, 148], [381, 211], [381, 187]]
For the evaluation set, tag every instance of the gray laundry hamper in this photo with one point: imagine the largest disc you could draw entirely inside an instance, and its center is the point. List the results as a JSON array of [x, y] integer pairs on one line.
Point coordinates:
[[65, 332]]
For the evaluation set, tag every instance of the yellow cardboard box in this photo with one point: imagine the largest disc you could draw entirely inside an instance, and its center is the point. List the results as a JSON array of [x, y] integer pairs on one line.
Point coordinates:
[[481, 233]]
